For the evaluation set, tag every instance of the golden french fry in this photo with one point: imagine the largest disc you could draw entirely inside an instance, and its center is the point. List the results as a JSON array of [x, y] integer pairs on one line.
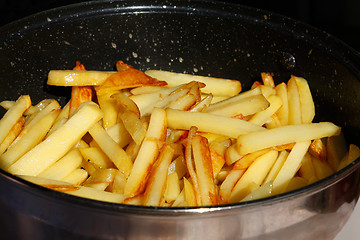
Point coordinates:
[[109, 107], [245, 161], [318, 149], [76, 190], [189, 193], [129, 114], [77, 177], [290, 166], [306, 101], [307, 169], [204, 172], [245, 106], [172, 187], [267, 79], [232, 155], [293, 102], [277, 166], [256, 173], [264, 116], [29, 140], [178, 166], [156, 185], [77, 77], [115, 153], [13, 133], [322, 168], [228, 184], [283, 111], [215, 86], [59, 143], [206, 122], [258, 140], [261, 192], [66, 165], [96, 156], [119, 134], [147, 154], [12, 116], [79, 94]]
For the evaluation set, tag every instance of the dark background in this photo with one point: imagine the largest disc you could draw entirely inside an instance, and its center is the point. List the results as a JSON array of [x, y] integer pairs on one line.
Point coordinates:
[[339, 18]]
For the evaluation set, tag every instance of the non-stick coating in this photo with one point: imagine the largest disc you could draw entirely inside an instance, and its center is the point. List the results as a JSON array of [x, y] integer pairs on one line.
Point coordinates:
[[199, 37]]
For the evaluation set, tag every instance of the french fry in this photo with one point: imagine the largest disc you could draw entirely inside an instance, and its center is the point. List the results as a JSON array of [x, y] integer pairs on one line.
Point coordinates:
[[267, 79], [318, 149], [13, 115], [211, 123], [290, 166], [189, 193], [256, 173], [59, 143], [77, 77], [178, 166], [264, 116], [216, 86], [47, 106], [119, 134], [172, 187], [283, 111], [228, 184], [307, 170], [234, 99], [13, 133], [109, 107], [148, 153], [127, 78], [293, 102], [156, 184], [245, 161], [28, 141], [307, 106], [276, 167], [258, 140], [351, 156], [96, 156], [77, 177], [115, 153], [64, 166], [261, 192], [204, 172], [76, 190], [79, 94], [245, 106], [129, 114], [232, 155]]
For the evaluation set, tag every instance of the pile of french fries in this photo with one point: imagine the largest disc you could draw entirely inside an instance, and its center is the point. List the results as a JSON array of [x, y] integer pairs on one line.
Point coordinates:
[[167, 139]]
